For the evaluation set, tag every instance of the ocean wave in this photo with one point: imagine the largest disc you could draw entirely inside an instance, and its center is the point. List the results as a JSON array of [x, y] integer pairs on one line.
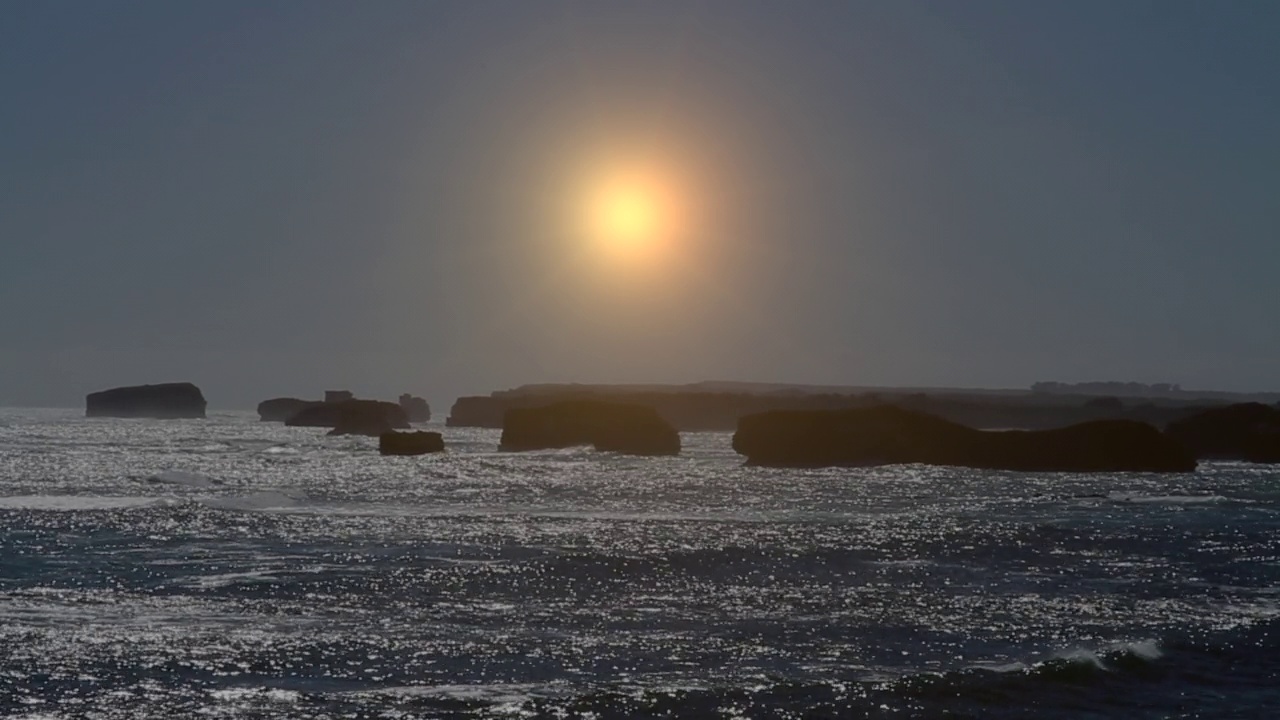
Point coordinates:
[[221, 580], [258, 694], [183, 478], [1169, 499], [485, 694], [261, 501]]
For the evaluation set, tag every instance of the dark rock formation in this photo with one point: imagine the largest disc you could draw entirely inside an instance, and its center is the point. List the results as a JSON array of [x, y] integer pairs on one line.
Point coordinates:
[[169, 400], [337, 396], [352, 417], [410, 443], [1248, 431], [697, 409], [477, 411], [416, 408], [613, 427], [886, 434], [1105, 403], [281, 409]]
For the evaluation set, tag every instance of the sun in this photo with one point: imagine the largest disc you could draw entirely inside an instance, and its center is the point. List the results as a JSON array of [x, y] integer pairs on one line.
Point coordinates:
[[631, 216], [627, 215]]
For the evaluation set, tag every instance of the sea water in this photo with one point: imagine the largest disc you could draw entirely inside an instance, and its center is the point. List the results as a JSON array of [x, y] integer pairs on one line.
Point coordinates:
[[232, 568]]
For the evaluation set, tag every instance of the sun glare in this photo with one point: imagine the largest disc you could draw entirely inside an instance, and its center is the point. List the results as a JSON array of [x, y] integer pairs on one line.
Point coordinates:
[[632, 217]]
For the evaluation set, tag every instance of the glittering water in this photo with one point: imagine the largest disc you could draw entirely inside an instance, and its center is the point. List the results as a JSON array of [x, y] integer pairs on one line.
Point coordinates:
[[229, 568]]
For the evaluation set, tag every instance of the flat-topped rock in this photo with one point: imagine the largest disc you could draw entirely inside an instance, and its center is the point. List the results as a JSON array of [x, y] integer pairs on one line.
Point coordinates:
[[886, 435], [166, 401], [410, 443], [607, 426]]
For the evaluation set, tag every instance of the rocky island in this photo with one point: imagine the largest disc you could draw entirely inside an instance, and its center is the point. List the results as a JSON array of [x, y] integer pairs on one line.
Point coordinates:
[[606, 426], [885, 435], [416, 408], [164, 401]]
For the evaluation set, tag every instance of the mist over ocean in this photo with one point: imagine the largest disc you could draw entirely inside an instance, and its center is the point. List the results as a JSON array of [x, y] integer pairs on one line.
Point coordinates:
[[231, 568]]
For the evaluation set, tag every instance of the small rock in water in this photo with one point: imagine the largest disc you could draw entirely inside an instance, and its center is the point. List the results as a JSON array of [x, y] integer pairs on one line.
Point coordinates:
[[410, 443]]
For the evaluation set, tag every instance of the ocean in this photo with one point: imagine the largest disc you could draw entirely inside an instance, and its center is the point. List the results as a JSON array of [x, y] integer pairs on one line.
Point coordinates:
[[228, 568]]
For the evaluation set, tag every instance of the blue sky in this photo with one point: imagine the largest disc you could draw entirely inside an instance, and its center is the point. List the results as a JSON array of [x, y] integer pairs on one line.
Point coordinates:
[[278, 198]]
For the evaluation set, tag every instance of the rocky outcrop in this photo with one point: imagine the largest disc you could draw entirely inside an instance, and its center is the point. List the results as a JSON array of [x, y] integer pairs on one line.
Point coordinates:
[[167, 401], [281, 409], [612, 427], [416, 408], [478, 411], [352, 417], [1248, 431], [885, 435], [338, 405], [410, 443]]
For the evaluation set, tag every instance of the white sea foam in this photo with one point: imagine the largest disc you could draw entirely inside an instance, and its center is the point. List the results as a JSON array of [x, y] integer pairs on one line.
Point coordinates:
[[1003, 668], [269, 500], [186, 479], [73, 503], [498, 693], [1168, 499], [1145, 649], [208, 582], [241, 694]]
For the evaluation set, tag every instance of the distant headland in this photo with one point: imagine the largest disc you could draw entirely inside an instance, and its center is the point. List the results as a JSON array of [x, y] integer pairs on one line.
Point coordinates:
[[718, 405]]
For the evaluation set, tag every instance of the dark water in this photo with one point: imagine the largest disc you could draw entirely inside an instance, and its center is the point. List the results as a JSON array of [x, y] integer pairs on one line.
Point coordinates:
[[228, 568]]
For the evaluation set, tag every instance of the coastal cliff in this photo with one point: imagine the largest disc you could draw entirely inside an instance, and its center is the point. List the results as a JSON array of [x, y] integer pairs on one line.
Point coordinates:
[[1246, 431], [611, 427], [886, 435], [693, 408]]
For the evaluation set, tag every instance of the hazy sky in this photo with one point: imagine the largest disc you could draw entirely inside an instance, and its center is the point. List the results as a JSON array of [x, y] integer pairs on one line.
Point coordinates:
[[275, 198]]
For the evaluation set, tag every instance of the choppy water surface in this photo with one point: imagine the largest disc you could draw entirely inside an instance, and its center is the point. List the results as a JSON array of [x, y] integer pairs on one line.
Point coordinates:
[[230, 568]]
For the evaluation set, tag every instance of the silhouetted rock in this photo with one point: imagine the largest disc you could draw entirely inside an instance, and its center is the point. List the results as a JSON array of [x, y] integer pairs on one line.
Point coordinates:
[[167, 401], [337, 396], [416, 408], [885, 434], [614, 427], [1248, 431], [410, 443], [281, 409], [352, 417]]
